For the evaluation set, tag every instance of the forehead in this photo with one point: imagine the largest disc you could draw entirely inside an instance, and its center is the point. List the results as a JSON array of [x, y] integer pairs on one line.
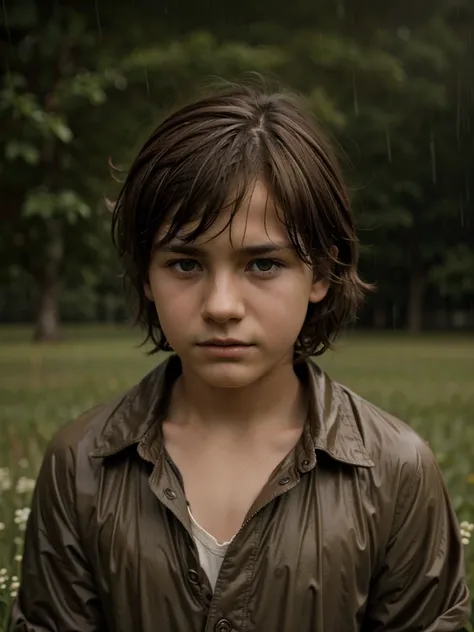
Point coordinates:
[[257, 220]]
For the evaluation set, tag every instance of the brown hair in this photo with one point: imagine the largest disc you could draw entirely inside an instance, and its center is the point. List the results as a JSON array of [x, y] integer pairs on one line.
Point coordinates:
[[223, 143]]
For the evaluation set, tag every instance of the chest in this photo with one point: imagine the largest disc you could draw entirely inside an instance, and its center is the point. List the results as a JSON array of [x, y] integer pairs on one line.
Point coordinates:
[[224, 482], [304, 561], [222, 493]]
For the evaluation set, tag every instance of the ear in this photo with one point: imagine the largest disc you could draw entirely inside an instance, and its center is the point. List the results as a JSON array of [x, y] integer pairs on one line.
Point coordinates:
[[148, 292], [320, 286], [319, 289]]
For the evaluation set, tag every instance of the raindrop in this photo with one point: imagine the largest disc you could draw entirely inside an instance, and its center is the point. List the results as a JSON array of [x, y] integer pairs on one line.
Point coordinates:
[[433, 157], [9, 38], [354, 92], [389, 144], [7, 23], [97, 16], [458, 114], [147, 83]]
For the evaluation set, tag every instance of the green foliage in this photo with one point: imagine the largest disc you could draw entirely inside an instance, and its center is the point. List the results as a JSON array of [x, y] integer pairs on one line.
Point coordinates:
[[455, 272], [392, 90], [66, 204], [21, 149]]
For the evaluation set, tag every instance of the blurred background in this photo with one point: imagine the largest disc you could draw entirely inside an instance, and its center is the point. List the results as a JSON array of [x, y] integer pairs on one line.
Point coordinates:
[[85, 82], [82, 86]]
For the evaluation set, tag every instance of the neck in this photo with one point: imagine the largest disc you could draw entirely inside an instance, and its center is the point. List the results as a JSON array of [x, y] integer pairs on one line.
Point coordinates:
[[276, 401]]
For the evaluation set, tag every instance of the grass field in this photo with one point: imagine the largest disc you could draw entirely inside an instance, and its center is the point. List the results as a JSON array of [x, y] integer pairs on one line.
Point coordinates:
[[427, 381]]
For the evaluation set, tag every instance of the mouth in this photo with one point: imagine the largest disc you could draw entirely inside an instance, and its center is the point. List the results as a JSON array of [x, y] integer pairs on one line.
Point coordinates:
[[224, 342], [225, 348]]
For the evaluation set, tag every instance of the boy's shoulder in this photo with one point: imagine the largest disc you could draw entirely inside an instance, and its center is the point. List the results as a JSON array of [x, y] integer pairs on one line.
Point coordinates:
[[390, 441], [86, 430], [354, 430], [110, 427]]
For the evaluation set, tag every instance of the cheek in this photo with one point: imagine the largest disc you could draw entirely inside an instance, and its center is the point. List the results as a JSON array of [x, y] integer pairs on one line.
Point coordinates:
[[162, 289], [170, 300], [294, 290], [285, 305]]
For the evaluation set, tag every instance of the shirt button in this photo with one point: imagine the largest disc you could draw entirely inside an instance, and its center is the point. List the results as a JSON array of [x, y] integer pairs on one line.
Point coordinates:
[[193, 576], [284, 481], [305, 463], [223, 626], [170, 494]]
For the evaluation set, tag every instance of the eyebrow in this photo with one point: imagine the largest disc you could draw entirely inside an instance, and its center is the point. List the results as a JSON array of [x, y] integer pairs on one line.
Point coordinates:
[[195, 251]]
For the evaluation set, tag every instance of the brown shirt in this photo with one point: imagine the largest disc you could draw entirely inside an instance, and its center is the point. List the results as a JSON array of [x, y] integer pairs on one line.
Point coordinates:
[[354, 531]]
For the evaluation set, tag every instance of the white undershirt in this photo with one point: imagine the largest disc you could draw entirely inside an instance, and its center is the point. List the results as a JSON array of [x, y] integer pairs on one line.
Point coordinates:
[[211, 552]]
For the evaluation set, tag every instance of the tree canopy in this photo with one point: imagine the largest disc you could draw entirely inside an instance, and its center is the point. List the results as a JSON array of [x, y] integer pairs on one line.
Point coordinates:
[[83, 86]]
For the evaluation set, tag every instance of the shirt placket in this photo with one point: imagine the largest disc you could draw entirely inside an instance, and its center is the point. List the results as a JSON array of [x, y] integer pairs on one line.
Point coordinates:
[[222, 615], [166, 484]]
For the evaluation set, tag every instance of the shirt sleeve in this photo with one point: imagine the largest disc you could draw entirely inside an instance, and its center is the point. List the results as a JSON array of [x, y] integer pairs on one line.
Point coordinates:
[[57, 591], [421, 584]]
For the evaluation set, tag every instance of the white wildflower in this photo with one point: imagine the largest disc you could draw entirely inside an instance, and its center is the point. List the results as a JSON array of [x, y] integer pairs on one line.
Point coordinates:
[[23, 463], [469, 526], [3, 579], [466, 530], [5, 479], [2, 526], [25, 485], [13, 593], [18, 558], [21, 517], [18, 541]]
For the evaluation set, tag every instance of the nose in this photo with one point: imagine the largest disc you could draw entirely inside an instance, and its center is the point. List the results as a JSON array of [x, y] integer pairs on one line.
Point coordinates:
[[223, 300]]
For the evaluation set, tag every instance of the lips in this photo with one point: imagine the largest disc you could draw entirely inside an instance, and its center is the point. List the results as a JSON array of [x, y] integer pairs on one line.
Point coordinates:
[[227, 342], [225, 350]]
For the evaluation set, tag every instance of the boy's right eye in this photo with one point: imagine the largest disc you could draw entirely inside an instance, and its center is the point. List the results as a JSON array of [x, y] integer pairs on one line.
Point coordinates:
[[183, 266]]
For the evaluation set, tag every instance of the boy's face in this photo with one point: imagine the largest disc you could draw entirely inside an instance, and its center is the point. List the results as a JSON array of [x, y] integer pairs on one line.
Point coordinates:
[[215, 291]]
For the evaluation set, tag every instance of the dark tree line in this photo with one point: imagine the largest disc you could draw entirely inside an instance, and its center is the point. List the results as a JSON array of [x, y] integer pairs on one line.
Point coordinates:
[[393, 84]]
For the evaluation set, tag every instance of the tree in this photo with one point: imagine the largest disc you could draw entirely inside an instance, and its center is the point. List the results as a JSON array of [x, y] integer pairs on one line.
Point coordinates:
[[53, 70], [412, 200], [392, 87], [61, 70]]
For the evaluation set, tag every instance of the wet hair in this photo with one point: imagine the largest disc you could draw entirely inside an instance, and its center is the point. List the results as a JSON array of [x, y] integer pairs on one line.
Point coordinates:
[[205, 157]]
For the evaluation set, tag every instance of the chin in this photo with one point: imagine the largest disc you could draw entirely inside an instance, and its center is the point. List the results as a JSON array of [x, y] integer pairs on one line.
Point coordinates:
[[229, 375]]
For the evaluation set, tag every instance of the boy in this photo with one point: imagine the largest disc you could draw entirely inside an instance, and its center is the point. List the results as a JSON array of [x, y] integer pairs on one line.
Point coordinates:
[[236, 487]]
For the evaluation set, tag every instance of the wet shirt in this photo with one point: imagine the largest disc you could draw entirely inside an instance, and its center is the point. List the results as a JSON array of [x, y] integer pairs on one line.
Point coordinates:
[[353, 532]]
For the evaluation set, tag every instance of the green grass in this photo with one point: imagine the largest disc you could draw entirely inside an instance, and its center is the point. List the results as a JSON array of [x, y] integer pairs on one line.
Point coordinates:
[[427, 381]]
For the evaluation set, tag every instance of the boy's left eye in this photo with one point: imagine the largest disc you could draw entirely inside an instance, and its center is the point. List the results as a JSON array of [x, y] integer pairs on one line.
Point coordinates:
[[266, 265]]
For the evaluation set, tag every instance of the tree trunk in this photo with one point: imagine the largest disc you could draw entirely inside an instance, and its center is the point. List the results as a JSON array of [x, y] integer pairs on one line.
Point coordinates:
[[415, 298], [380, 316], [49, 285]]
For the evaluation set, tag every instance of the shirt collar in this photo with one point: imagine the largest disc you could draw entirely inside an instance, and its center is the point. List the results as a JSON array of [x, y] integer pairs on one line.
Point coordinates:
[[332, 428]]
